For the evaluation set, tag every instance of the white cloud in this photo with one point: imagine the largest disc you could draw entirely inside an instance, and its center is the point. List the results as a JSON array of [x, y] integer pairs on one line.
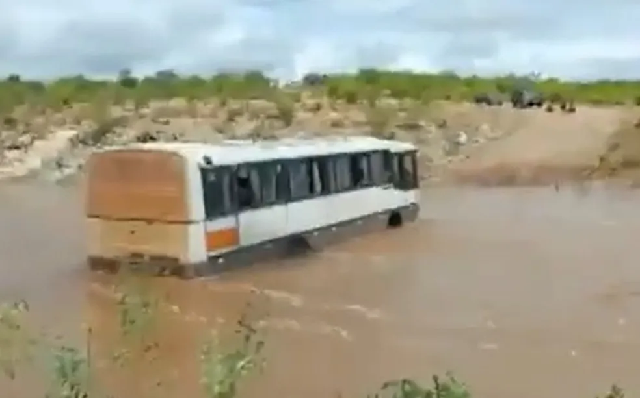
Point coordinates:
[[586, 39]]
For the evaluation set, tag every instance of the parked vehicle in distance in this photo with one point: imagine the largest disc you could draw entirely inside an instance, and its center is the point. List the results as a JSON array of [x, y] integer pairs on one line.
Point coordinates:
[[489, 99], [525, 98], [192, 209]]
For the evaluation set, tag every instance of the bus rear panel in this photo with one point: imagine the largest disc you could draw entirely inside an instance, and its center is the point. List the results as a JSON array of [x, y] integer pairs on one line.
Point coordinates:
[[137, 208]]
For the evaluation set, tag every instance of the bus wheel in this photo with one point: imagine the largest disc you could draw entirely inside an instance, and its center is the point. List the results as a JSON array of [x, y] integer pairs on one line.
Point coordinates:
[[395, 220], [298, 245]]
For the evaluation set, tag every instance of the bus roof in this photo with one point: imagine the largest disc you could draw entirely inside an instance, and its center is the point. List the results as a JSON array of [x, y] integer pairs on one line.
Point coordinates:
[[242, 151]]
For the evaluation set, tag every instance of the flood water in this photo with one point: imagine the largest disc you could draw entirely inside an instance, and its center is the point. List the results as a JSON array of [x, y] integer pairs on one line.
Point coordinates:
[[522, 292]]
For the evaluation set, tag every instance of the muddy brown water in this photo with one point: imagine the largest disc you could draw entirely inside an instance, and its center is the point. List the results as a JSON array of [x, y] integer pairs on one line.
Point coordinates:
[[523, 292]]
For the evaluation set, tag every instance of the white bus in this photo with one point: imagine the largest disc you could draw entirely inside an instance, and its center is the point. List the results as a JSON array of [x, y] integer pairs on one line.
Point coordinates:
[[192, 209]]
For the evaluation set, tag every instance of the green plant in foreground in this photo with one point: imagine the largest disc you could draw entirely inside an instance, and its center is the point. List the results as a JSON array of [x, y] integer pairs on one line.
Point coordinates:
[[447, 387], [71, 378], [16, 343], [222, 371], [137, 314], [137, 309], [614, 392]]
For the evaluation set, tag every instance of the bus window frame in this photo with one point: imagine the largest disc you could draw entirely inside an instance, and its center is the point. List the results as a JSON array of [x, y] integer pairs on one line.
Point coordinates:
[[250, 170], [326, 174], [382, 179], [408, 183], [392, 175], [308, 164], [279, 171], [282, 181], [232, 205]]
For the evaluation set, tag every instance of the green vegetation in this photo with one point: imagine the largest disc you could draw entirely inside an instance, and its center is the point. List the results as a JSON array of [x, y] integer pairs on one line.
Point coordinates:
[[365, 86], [223, 366]]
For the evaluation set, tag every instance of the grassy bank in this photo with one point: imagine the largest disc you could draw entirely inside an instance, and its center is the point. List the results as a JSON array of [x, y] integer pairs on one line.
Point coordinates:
[[223, 362], [364, 86]]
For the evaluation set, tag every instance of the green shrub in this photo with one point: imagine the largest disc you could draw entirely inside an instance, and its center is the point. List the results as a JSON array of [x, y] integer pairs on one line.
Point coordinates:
[[286, 108], [447, 387]]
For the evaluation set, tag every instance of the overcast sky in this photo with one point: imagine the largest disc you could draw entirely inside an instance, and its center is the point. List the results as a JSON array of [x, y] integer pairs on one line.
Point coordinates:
[[572, 39]]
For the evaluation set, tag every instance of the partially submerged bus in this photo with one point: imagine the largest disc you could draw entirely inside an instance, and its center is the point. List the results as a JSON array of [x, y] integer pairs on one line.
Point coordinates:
[[193, 209]]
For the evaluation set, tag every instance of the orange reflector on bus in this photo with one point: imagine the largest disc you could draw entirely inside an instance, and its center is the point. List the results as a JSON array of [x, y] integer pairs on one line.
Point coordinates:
[[222, 239]]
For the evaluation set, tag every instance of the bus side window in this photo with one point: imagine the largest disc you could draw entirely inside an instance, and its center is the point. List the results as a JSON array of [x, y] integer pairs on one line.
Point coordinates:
[[408, 163], [392, 170], [344, 178], [325, 175], [376, 165], [359, 170], [316, 183], [268, 173], [248, 187], [416, 172], [217, 192], [282, 183], [300, 178]]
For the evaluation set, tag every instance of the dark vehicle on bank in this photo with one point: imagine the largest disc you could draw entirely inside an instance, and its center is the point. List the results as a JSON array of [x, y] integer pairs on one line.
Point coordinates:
[[523, 98], [489, 99], [314, 79]]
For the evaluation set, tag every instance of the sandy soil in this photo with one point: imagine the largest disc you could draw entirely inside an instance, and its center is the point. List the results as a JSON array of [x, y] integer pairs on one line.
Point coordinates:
[[545, 147]]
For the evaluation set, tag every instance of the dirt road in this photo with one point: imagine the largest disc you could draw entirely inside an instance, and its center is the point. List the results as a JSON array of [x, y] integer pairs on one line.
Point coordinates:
[[544, 146]]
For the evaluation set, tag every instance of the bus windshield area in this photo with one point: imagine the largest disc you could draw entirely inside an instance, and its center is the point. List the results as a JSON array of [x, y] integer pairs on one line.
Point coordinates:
[[403, 169]]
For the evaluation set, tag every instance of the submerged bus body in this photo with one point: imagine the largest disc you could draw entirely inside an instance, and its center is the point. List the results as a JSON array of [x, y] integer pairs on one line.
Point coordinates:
[[193, 209]]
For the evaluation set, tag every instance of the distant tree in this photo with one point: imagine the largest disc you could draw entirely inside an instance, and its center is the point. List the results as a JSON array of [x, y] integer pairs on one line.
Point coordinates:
[[368, 76], [166, 74], [15, 78], [313, 79], [126, 79]]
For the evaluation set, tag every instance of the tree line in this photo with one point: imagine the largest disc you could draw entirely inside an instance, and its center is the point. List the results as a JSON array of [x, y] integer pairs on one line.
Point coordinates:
[[364, 85]]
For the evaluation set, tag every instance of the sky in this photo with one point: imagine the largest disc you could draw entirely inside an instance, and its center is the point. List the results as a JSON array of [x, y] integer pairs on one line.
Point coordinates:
[[586, 39]]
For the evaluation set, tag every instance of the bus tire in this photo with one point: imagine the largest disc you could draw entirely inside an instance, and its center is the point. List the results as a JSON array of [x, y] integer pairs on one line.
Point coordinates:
[[298, 245], [395, 220]]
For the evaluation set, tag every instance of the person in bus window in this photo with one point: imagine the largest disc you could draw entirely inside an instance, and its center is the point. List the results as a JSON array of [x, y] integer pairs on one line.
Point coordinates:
[[356, 171], [245, 193]]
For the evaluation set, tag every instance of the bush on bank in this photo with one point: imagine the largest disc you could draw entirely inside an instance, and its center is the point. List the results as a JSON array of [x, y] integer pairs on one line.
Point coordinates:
[[364, 85]]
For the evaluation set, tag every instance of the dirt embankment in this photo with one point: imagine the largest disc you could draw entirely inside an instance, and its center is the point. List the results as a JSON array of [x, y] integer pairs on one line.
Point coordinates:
[[459, 142], [549, 148]]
